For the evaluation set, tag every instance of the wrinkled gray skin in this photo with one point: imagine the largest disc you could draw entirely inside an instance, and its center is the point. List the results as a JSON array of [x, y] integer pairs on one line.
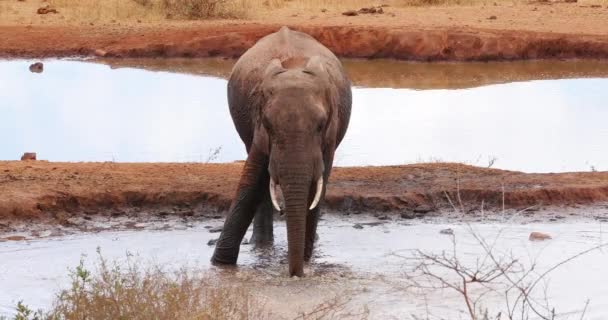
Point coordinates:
[[290, 101]]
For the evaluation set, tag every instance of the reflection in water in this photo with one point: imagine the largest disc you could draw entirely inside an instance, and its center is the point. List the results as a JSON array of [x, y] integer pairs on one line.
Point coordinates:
[[383, 73], [78, 111]]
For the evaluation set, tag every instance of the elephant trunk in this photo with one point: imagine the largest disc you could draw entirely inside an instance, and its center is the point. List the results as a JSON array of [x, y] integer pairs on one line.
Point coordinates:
[[295, 183]]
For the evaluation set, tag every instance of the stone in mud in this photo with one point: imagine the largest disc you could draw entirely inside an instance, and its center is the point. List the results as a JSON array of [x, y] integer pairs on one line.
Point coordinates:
[[46, 9], [28, 156], [358, 226], [350, 13], [448, 231], [371, 224], [37, 67], [15, 238], [381, 216], [371, 10], [539, 236], [407, 215], [211, 242], [423, 209], [100, 53], [216, 229]]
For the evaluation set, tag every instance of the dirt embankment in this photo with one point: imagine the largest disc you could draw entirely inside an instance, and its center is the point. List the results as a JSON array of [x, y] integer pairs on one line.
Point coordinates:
[[38, 190], [232, 40], [463, 33]]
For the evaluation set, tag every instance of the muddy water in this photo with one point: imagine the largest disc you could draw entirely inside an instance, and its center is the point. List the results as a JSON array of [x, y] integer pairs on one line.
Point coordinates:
[[367, 262], [77, 111]]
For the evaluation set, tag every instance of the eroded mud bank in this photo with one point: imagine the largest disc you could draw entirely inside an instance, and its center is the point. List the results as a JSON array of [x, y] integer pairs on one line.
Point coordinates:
[[46, 190], [458, 43]]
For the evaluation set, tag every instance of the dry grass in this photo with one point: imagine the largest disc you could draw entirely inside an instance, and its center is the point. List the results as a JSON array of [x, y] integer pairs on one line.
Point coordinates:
[[128, 291], [133, 293]]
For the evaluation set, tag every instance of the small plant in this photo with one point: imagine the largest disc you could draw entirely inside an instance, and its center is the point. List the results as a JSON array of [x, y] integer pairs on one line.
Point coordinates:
[[214, 154], [493, 273], [491, 161], [25, 313]]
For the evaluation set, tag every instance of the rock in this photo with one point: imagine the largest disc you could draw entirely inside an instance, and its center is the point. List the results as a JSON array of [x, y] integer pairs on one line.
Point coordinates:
[[407, 215], [570, 1], [371, 10], [46, 10], [323, 10], [595, 6], [423, 209], [449, 231], [211, 242], [100, 53], [216, 229], [37, 67], [28, 156], [350, 13], [492, 18], [15, 238], [358, 226], [371, 224], [539, 236]]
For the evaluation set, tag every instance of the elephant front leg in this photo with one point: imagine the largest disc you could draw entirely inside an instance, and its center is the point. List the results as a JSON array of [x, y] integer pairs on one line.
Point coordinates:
[[262, 222], [251, 185]]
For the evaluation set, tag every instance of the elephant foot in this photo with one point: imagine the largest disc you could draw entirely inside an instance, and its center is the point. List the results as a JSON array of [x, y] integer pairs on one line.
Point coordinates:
[[261, 240], [223, 256], [308, 251]]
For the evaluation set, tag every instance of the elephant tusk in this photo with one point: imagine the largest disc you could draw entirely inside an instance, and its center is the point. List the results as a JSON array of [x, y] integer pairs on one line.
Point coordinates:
[[315, 202], [273, 195]]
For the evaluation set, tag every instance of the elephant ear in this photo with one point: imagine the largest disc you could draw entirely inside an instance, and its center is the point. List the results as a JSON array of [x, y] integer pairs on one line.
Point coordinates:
[[274, 67], [315, 66]]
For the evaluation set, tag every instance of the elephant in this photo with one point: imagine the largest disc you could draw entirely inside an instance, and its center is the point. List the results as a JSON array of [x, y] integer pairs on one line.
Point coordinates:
[[290, 101]]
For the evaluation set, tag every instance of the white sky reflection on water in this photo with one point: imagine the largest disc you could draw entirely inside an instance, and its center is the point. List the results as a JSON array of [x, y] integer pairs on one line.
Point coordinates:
[[77, 111]]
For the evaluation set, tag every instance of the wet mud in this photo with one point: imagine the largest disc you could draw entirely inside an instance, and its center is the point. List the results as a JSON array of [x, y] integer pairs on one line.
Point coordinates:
[[362, 269]]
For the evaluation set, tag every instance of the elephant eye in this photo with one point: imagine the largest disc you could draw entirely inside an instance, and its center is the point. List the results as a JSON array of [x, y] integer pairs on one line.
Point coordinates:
[[320, 127]]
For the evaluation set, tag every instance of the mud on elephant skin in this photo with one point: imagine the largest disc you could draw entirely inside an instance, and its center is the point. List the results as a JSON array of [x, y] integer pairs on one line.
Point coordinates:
[[290, 101]]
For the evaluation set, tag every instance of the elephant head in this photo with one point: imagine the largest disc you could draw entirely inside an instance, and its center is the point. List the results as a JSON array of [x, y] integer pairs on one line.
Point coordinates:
[[295, 123]]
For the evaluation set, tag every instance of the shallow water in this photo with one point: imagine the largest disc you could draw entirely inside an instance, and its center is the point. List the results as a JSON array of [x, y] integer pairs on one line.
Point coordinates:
[[80, 111], [365, 260]]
